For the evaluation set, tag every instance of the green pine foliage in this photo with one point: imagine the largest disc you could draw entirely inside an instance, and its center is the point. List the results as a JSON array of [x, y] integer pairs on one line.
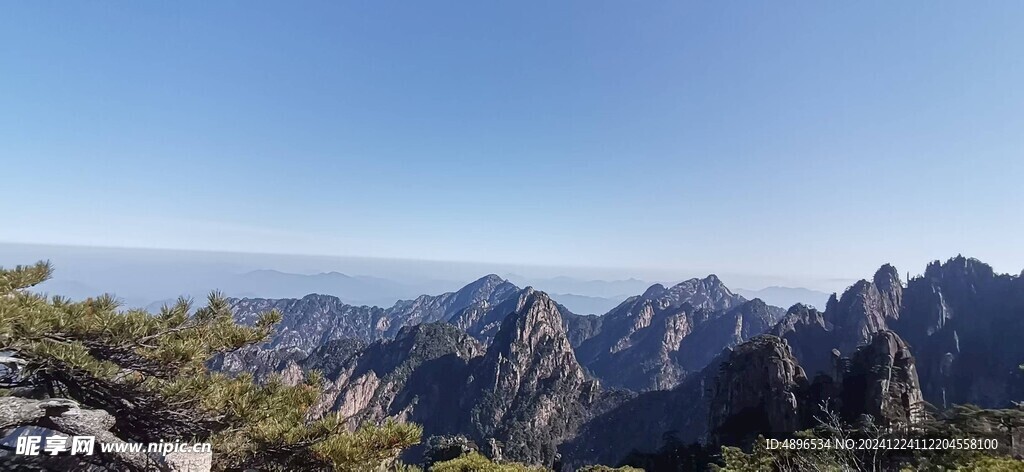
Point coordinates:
[[476, 462], [994, 464], [604, 468], [673, 455], [149, 372]]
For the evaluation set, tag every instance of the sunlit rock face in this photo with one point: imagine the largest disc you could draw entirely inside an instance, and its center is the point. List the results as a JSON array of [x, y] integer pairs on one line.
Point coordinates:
[[528, 392], [652, 341]]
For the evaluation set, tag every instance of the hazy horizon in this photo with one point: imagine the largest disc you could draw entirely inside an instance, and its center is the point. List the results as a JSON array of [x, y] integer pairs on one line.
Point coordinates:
[[148, 278], [466, 267], [310, 264]]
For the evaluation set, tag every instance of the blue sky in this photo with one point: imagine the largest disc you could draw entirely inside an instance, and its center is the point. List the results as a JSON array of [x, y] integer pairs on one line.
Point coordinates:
[[797, 138]]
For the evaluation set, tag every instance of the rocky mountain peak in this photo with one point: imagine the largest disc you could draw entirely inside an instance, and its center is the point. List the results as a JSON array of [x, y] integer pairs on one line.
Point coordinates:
[[959, 267], [798, 318], [848, 322], [757, 391], [962, 319], [709, 293], [534, 329], [528, 392], [493, 279], [487, 289], [313, 320], [882, 381], [864, 308], [802, 311], [484, 285], [809, 335], [654, 291], [526, 294], [756, 305], [832, 304], [644, 343], [890, 288], [483, 318], [887, 277]]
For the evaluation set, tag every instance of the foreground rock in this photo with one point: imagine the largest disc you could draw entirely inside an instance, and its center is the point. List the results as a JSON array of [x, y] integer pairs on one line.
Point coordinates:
[[759, 389], [762, 390], [881, 380]]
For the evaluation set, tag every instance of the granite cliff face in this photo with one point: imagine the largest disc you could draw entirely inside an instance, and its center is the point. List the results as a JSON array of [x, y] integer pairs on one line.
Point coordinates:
[[258, 362], [848, 321], [759, 389], [724, 330], [810, 337], [520, 396], [963, 321], [645, 343], [410, 378], [881, 380], [528, 393], [865, 308]]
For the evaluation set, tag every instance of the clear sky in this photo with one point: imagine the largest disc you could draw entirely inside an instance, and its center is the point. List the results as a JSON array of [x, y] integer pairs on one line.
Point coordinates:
[[804, 137]]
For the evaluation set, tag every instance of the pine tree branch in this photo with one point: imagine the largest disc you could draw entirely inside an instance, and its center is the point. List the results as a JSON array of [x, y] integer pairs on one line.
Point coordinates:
[[143, 341]]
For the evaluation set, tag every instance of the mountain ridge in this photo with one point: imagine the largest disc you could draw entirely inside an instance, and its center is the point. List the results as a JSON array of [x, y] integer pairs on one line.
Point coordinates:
[[531, 381]]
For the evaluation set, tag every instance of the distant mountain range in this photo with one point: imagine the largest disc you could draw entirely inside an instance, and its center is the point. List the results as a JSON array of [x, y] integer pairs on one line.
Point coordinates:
[[607, 289], [600, 296], [377, 291], [527, 379], [149, 278], [646, 336], [509, 367], [787, 296]]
